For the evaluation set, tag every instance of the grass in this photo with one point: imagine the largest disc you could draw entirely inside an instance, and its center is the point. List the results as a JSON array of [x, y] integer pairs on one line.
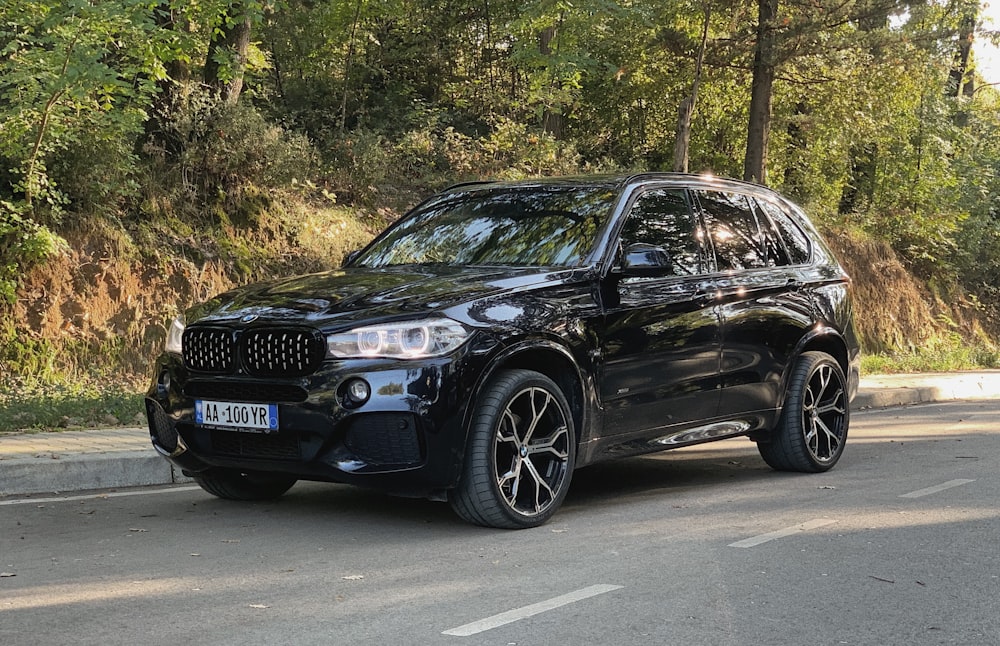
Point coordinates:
[[32, 405], [949, 353]]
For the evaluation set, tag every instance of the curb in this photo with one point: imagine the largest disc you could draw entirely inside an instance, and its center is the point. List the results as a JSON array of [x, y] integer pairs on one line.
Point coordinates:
[[886, 391], [55, 473]]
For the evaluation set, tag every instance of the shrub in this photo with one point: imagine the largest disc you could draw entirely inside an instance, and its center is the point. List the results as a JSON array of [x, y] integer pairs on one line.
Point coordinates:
[[225, 149]]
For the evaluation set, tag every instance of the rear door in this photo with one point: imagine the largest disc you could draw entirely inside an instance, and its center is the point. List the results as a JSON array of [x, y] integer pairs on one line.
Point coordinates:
[[661, 334], [763, 309]]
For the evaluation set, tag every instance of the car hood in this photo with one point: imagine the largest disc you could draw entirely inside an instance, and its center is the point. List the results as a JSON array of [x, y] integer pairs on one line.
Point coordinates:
[[348, 296]]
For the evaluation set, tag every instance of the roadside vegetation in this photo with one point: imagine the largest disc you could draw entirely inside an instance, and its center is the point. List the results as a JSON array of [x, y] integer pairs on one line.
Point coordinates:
[[153, 153]]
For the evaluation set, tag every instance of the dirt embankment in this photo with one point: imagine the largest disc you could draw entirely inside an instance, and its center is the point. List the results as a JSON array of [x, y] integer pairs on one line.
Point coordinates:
[[894, 310], [102, 306]]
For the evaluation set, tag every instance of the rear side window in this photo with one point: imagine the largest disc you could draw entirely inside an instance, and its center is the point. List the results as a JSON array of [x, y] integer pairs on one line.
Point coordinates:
[[795, 239], [662, 218], [734, 231]]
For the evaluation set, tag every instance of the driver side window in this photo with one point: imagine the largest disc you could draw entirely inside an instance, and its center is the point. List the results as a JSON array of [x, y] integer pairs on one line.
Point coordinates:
[[662, 218]]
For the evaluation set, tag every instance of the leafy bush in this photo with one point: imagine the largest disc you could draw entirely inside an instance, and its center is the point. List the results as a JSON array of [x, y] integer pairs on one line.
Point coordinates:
[[226, 149], [23, 242]]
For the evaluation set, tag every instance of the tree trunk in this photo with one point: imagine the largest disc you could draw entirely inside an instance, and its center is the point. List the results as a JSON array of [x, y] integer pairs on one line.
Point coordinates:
[[759, 127], [171, 89], [553, 120], [959, 80], [682, 142], [227, 57]]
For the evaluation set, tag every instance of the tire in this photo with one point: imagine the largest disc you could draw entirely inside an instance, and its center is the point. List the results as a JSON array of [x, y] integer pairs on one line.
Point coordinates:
[[237, 485], [812, 430], [520, 454]]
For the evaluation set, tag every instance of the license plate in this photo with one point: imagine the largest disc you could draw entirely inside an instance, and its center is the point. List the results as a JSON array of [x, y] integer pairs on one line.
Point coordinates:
[[238, 415]]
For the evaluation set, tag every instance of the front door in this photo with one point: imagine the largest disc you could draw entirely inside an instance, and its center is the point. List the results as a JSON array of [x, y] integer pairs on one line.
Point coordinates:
[[661, 336]]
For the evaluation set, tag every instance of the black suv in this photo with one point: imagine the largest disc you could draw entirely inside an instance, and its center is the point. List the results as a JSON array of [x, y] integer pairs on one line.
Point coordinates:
[[502, 334]]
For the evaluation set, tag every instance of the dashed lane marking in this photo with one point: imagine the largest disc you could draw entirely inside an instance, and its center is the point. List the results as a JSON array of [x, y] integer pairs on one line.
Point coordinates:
[[920, 493], [782, 533], [511, 616]]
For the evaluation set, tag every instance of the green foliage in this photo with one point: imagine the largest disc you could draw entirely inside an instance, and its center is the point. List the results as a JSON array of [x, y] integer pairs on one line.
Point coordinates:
[[944, 353], [74, 76], [30, 404], [227, 149], [22, 244]]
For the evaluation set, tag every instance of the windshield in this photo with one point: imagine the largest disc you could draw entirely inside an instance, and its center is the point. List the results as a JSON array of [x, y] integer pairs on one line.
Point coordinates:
[[524, 226]]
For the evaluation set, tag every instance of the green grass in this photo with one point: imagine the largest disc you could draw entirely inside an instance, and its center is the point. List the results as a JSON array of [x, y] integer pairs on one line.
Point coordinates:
[[948, 354], [32, 405]]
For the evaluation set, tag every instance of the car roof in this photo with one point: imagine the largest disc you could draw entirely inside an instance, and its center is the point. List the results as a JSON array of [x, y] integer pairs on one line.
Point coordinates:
[[620, 181]]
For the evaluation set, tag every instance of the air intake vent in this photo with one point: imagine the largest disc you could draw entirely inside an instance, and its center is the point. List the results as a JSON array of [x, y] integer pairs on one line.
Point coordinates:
[[243, 391]]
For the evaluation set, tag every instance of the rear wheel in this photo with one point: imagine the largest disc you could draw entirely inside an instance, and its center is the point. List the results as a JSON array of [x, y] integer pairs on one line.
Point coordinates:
[[243, 485], [520, 455], [812, 429]]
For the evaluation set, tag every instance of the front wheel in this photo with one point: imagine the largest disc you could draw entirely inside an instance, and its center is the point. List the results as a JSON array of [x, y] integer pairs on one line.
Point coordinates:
[[239, 485], [812, 429], [520, 455]]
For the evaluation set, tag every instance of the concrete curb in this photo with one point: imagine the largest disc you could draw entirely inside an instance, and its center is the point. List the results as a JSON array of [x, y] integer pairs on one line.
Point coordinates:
[[79, 472], [884, 391]]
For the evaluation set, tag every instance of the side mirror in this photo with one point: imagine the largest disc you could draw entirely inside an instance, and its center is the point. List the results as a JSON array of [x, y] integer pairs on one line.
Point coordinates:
[[641, 259], [350, 257]]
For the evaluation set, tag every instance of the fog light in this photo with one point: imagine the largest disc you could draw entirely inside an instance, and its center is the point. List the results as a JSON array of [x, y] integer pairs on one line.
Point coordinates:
[[358, 391]]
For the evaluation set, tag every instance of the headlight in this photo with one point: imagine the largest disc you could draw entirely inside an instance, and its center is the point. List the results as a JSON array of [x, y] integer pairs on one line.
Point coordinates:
[[175, 336], [412, 340]]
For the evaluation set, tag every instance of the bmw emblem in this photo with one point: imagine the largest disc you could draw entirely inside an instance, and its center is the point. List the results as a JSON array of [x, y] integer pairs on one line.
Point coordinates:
[[249, 318]]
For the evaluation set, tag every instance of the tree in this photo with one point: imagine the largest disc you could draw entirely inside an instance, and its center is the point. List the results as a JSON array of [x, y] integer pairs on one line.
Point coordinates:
[[682, 141], [229, 48], [759, 126]]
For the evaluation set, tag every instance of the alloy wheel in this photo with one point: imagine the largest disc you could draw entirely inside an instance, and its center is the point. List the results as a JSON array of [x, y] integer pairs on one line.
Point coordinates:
[[531, 451]]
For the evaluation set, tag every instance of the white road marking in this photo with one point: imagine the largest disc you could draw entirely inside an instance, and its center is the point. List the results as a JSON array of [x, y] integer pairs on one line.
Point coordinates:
[[94, 496], [782, 533], [919, 493], [511, 616]]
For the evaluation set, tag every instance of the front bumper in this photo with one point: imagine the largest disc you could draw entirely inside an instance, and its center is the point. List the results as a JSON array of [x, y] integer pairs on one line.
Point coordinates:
[[408, 438]]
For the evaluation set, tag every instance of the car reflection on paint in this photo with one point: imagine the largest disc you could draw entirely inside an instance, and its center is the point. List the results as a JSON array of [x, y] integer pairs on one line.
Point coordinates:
[[501, 335]]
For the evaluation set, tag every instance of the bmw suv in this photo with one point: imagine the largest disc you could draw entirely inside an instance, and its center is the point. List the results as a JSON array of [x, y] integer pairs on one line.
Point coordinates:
[[503, 334]]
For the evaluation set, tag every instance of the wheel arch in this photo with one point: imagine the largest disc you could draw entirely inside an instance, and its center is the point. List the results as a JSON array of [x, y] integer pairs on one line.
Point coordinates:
[[551, 359], [820, 339]]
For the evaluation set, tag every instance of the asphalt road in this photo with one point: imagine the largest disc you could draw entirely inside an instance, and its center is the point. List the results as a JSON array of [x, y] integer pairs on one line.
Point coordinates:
[[706, 545]]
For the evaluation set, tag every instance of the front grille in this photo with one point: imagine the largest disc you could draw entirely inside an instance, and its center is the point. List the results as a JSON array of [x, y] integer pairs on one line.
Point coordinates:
[[280, 446], [260, 352], [286, 353], [210, 350], [385, 439], [237, 391]]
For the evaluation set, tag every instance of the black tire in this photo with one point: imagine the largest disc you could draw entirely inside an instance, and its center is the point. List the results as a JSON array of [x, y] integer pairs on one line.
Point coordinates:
[[238, 485], [812, 430], [520, 454]]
